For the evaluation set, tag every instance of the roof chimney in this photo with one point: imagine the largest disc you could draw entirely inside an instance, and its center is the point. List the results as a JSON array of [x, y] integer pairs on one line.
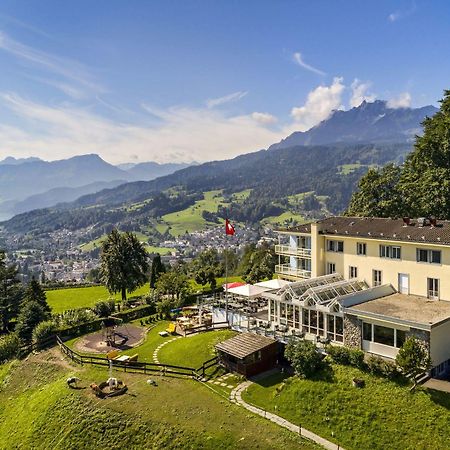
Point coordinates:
[[406, 221]]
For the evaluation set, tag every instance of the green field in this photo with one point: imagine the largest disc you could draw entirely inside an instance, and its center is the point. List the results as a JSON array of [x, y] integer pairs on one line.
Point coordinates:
[[382, 415], [38, 410], [287, 216], [190, 219], [84, 297]]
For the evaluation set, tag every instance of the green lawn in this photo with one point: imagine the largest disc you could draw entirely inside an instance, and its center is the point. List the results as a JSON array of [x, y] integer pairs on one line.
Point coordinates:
[[84, 297], [194, 350], [382, 415], [287, 216], [37, 410], [190, 219]]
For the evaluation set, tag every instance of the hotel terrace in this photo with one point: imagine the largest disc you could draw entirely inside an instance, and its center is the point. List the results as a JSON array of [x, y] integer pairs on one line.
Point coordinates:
[[367, 283]]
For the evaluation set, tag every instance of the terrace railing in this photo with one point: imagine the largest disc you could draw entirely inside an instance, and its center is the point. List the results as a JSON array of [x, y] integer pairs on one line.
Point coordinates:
[[292, 251], [286, 269]]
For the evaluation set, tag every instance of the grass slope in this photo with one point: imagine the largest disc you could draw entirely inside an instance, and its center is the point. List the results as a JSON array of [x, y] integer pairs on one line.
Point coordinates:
[[37, 410], [190, 219], [383, 415], [84, 297]]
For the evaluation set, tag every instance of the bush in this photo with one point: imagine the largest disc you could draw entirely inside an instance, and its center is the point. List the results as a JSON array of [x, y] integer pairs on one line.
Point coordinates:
[[346, 356], [104, 308], [43, 331], [304, 357], [9, 347], [74, 317], [379, 366]]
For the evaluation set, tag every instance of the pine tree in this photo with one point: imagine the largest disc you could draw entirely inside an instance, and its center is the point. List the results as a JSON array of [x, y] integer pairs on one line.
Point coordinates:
[[31, 314], [157, 269], [35, 293]]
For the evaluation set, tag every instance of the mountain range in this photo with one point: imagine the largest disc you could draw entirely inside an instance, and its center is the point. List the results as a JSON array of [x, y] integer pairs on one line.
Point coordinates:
[[328, 162], [31, 183]]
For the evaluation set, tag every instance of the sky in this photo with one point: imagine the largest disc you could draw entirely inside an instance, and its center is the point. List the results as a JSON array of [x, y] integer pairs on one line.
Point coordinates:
[[184, 81]]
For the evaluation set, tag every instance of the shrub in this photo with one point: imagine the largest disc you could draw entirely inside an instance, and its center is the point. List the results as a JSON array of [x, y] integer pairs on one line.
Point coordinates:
[[104, 308], [31, 314], [43, 331], [9, 347], [339, 355], [304, 357], [381, 367], [357, 358], [74, 317]]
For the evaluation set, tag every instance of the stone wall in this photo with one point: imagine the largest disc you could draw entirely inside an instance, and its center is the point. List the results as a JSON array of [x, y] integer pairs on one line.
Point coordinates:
[[421, 335], [352, 332]]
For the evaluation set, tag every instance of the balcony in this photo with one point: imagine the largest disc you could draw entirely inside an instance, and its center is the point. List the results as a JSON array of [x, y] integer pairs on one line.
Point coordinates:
[[287, 270], [292, 251]]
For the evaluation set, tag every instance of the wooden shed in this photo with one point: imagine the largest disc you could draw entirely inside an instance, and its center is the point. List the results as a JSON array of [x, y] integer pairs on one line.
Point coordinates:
[[248, 353]]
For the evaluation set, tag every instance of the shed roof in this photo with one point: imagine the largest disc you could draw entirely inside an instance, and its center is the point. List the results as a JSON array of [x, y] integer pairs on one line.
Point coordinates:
[[244, 344]]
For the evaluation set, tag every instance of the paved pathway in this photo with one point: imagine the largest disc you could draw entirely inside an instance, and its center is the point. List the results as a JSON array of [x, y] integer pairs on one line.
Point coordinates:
[[236, 397], [221, 381], [438, 385], [157, 349]]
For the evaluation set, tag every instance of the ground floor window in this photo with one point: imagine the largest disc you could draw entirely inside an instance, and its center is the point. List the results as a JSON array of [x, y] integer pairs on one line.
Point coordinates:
[[376, 276], [383, 335], [335, 328], [433, 288], [331, 268], [352, 272]]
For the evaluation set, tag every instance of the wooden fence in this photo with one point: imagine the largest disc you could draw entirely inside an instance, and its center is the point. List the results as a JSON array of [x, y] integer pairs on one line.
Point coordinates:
[[135, 366], [214, 326]]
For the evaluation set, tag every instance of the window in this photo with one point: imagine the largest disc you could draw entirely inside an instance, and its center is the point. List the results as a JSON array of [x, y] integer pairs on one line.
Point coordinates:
[[335, 328], [331, 268], [361, 248], [376, 278], [383, 335], [428, 256], [335, 246], [433, 288], [390, 251], [352, 272], [367, 331], [400, 338]]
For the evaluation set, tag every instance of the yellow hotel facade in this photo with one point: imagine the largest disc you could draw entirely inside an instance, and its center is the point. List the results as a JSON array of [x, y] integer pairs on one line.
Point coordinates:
[[367, 283]]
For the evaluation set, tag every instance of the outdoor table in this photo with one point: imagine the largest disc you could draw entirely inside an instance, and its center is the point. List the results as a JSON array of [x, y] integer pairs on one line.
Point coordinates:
[[123, 358]]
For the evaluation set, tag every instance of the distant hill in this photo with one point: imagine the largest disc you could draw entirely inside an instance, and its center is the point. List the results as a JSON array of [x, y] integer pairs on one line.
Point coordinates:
[[10, 160], [31, 183], [370, 122], [150, 170]]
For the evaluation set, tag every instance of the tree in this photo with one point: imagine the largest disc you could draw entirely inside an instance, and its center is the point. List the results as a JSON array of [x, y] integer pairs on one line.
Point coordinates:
[[420, 188], [11, 293], [413, 358], [124, 263], [157, 269], [258, 263], [174, 285], [304, 357], [378, 194], [35, 293], [31, 314]]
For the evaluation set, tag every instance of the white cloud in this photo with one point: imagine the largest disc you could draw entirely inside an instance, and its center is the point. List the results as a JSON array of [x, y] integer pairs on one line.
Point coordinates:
[[360, 93], [67, 69], [179, 134], [298, 59], [264, 118], [397, 15], [403, 100], [234, 97], [319, 105]]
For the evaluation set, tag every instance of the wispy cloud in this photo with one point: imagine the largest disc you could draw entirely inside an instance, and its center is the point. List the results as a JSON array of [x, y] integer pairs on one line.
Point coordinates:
[[298, 59], [234, 97], [359, 92], [68, 69], [264, 118], [402, 100], [401, 14]]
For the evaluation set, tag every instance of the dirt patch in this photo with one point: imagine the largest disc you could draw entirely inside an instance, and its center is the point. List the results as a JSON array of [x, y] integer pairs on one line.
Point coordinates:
[[126, 337]]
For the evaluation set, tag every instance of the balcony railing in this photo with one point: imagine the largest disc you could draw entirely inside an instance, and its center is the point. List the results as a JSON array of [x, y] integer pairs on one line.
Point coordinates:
[[292, 251], [286, 269]]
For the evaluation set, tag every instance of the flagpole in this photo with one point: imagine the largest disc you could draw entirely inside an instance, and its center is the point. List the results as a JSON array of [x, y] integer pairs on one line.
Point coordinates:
[[226, 277]]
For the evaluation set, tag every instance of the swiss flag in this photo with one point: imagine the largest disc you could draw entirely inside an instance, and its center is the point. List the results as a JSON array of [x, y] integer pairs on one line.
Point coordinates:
[[229, 229]]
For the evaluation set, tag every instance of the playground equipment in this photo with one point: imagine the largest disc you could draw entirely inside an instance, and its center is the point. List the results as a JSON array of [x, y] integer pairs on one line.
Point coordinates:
[[110, 333], [110, 388]]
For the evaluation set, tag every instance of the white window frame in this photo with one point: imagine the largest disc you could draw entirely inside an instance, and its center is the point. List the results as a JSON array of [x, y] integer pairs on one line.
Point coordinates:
[[429, 253], [361, 248], [333, 246], [433, 292], [390, 251], [331, 268], [352, 272], [375, 282]]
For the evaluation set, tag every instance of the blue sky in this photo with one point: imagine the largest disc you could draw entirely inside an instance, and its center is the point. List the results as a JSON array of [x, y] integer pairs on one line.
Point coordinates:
[[200, 80]]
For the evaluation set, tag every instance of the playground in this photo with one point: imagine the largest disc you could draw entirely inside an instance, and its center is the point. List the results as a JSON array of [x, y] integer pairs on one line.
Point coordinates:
[[110, 338]]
